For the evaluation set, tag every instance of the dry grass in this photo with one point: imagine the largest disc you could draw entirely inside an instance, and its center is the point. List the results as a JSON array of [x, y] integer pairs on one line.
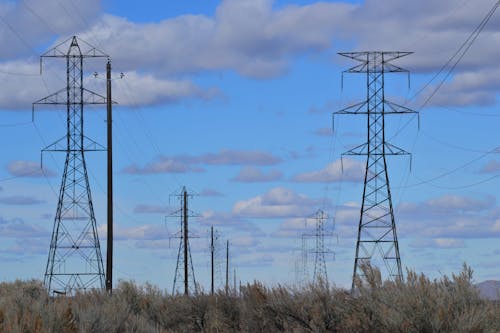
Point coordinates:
[[415, 305]]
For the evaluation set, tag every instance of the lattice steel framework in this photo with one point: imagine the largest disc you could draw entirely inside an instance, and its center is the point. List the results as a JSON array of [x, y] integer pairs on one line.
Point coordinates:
[[184, 258], [377, 227], [320, 274], [74, 261]]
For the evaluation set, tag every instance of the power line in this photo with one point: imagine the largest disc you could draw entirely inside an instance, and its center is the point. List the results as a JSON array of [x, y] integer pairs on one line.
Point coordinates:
[[447, 173], [459, 54]]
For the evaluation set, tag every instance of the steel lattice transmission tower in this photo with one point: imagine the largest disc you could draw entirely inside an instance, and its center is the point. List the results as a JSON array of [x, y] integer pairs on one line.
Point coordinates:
[[377, 237], [184, 258], [320, 274], [75, 261]]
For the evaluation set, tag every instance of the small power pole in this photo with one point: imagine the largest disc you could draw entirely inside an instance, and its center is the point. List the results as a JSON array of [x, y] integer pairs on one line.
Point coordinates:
[[186, 240], [377, 226], [212, 252], [227, 266], [109, 254], [234, 279]]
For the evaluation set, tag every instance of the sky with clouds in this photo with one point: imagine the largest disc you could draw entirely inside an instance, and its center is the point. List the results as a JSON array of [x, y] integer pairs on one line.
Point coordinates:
[[234, 99]]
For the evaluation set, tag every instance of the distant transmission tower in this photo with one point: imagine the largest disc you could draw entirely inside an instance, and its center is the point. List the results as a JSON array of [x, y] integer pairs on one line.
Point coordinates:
[[216, 260], [320, 272], [75, 261], [301, 263], [377, 227], [184, 253]]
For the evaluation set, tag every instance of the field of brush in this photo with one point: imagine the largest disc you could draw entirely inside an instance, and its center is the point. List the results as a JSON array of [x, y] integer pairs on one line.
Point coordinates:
[[450, 304]]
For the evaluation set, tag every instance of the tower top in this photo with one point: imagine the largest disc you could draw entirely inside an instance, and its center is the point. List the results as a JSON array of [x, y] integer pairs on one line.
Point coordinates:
[[64, 49]]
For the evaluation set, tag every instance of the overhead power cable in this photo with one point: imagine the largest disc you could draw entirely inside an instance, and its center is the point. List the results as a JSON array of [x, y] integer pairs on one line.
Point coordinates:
[[455, 59]]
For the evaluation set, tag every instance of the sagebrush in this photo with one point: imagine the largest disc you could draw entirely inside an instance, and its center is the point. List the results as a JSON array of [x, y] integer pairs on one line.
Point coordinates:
[[417, 304]]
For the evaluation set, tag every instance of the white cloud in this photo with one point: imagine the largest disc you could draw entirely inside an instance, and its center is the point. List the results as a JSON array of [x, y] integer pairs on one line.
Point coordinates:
[[247, 36], [340, 170], [28, 169], [188, 163], [152, 209], [244, 241], [496, 226], [17, 228], [145, 232], [255, 39], [162, 165], [277, 202], [32, 22], [254, 175], [449, 216], [324, 131], [209, 192], [441, 243], [460, 204], [20, 200], [491, 167], [146, 89], [294, 227]]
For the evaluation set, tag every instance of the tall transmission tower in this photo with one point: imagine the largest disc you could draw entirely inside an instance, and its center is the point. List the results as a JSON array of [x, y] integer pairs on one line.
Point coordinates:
[[184, 253], [75, 261], [320, 274], [377, 237]]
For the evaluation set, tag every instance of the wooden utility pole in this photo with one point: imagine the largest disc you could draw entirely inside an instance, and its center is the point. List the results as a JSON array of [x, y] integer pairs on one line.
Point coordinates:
[[109, 252], [227, 266], [186, 233], [212, 250]]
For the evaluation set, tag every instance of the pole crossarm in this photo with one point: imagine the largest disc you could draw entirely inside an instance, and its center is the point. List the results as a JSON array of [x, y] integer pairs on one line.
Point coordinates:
[[86, 50], [362, 149]]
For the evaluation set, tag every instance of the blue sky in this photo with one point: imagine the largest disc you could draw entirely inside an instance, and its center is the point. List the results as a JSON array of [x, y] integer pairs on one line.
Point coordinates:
[[233, 99]]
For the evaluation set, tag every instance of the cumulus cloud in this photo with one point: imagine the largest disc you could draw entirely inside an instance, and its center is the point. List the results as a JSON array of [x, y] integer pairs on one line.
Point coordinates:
[[450, 216], [230, 220], [146, 89], [451, 204], [27, 246], [346, 170], [441, 243], [256, 260], [162, 165], [255, 175], [239, 157], [294, 227], [188, 163], [145, 232], [256, 39], [152, 209], [276, 203], [28, 169], [32, 22], [491, 167], [20, 200], [247, 36], [18, 228], [324, 131]]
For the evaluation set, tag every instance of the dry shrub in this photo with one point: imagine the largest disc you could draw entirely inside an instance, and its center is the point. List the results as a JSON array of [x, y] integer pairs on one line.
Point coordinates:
[[417, 304]]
